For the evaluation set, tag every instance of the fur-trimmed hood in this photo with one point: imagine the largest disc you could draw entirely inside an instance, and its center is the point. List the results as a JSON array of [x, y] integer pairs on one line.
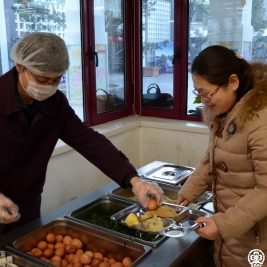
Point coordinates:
[[249, 105]]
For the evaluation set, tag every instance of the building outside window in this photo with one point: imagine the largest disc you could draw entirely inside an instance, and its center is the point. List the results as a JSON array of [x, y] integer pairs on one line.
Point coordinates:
[[236, 24]]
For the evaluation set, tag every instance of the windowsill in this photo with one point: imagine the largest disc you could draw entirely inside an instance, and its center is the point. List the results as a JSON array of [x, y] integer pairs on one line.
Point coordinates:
[[128, 123]]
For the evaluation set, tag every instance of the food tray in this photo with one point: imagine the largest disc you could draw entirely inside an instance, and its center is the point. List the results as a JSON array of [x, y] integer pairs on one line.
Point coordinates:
[[170, 191], [20, 261], [106, 206], [183, 224], [92, 239], [168, 173], [208, 207]]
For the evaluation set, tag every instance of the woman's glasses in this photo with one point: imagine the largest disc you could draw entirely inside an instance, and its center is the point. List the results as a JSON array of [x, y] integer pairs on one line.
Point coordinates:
[[207, 97]]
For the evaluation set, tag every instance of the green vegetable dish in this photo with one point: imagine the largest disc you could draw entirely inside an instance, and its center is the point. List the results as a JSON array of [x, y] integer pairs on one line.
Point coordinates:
[[102, 218]]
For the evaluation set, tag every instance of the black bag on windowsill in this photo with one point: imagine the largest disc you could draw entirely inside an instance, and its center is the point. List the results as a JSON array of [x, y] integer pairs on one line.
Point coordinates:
[[156, 99]]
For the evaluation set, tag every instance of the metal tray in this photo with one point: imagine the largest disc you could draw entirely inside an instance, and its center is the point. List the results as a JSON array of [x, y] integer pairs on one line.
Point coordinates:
[[20, 261], [92, 239], [106, 206], [170, 191], [168, 173], [208, 207], [183, 224]]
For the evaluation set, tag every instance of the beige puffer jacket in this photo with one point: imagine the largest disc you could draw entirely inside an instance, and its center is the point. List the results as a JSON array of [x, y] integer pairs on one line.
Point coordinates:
[[236, 166]]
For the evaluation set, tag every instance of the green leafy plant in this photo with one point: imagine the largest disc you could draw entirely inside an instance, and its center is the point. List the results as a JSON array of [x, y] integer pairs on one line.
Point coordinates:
[[197, 100]]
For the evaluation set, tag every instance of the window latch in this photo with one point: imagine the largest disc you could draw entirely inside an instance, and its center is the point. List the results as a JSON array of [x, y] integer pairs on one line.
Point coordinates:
[[94, 55], [176, 54]]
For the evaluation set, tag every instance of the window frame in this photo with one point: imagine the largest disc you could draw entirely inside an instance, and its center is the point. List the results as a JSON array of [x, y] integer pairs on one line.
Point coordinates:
[[133, 64], [90, 109], [181, 65]]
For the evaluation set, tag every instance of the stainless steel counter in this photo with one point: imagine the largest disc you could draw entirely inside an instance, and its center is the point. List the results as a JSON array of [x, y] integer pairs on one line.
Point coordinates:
[[190, 250]]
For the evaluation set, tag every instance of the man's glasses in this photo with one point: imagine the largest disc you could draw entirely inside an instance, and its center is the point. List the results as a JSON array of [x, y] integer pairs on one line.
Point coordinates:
[[46, 80], [207, 97]]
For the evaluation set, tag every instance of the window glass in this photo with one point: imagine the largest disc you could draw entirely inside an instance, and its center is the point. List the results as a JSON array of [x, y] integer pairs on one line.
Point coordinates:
[[61, 17], [157, 53], [110, 55], [237, 24]]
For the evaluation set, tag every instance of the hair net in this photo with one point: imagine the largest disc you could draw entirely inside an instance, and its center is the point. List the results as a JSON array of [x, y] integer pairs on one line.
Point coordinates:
[[44, 54]]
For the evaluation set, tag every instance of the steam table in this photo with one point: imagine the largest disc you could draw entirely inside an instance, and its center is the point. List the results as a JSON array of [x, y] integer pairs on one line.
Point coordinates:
[[189, 250]]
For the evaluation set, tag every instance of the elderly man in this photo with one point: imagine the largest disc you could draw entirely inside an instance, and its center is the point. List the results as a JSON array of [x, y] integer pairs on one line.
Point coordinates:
[[34, 114]]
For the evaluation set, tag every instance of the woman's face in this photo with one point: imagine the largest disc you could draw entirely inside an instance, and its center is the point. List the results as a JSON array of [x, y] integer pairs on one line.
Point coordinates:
[[219, 100]]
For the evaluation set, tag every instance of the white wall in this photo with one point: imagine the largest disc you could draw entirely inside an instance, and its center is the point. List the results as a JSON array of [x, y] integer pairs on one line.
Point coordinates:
[[173, 146], [141, 139]]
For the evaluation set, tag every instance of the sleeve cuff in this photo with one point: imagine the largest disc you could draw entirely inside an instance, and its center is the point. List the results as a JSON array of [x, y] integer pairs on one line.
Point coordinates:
[[126, 182]]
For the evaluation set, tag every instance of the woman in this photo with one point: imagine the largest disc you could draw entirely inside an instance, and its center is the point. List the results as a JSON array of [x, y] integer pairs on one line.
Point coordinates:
[[235, 97], [34, 114]]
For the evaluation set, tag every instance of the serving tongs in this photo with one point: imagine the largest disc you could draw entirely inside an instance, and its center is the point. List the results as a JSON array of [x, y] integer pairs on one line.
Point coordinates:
[[122, 213]]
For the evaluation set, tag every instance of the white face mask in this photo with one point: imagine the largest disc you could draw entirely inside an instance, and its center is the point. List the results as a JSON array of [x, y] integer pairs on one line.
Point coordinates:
[[38, 91]]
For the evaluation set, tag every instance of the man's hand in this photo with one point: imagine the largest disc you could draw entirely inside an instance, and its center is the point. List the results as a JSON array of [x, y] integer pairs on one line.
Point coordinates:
[[145, 190], [9, 212]]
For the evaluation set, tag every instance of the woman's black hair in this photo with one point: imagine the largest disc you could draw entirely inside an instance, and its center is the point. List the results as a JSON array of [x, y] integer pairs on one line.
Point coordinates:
[[217, 63]]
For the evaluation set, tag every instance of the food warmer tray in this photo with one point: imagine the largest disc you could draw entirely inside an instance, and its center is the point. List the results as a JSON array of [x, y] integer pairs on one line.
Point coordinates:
[[168, 173], [170, 191], [183, 224], [92, 239], [21, 261], [109, 205]]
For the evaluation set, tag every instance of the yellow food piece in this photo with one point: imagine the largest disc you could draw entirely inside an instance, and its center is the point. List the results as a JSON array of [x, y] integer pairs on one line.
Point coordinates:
[[170, 200], [131, 219], [163, 211], [154, 224]]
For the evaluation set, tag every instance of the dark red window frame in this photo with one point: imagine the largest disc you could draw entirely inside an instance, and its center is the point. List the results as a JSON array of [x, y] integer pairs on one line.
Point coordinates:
[[133, 74]]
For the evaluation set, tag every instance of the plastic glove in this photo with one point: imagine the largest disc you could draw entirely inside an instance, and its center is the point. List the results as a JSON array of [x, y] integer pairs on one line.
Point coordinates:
[[145, 190], [9, 212]]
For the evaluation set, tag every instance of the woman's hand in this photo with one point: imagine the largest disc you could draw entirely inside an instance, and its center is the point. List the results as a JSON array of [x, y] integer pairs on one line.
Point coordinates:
[[9, 212], [145, 190], [182, 201], [210, 230]]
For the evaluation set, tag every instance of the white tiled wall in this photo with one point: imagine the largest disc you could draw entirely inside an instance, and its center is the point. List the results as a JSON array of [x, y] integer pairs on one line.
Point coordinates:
[[173, 146], [141, 139]]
